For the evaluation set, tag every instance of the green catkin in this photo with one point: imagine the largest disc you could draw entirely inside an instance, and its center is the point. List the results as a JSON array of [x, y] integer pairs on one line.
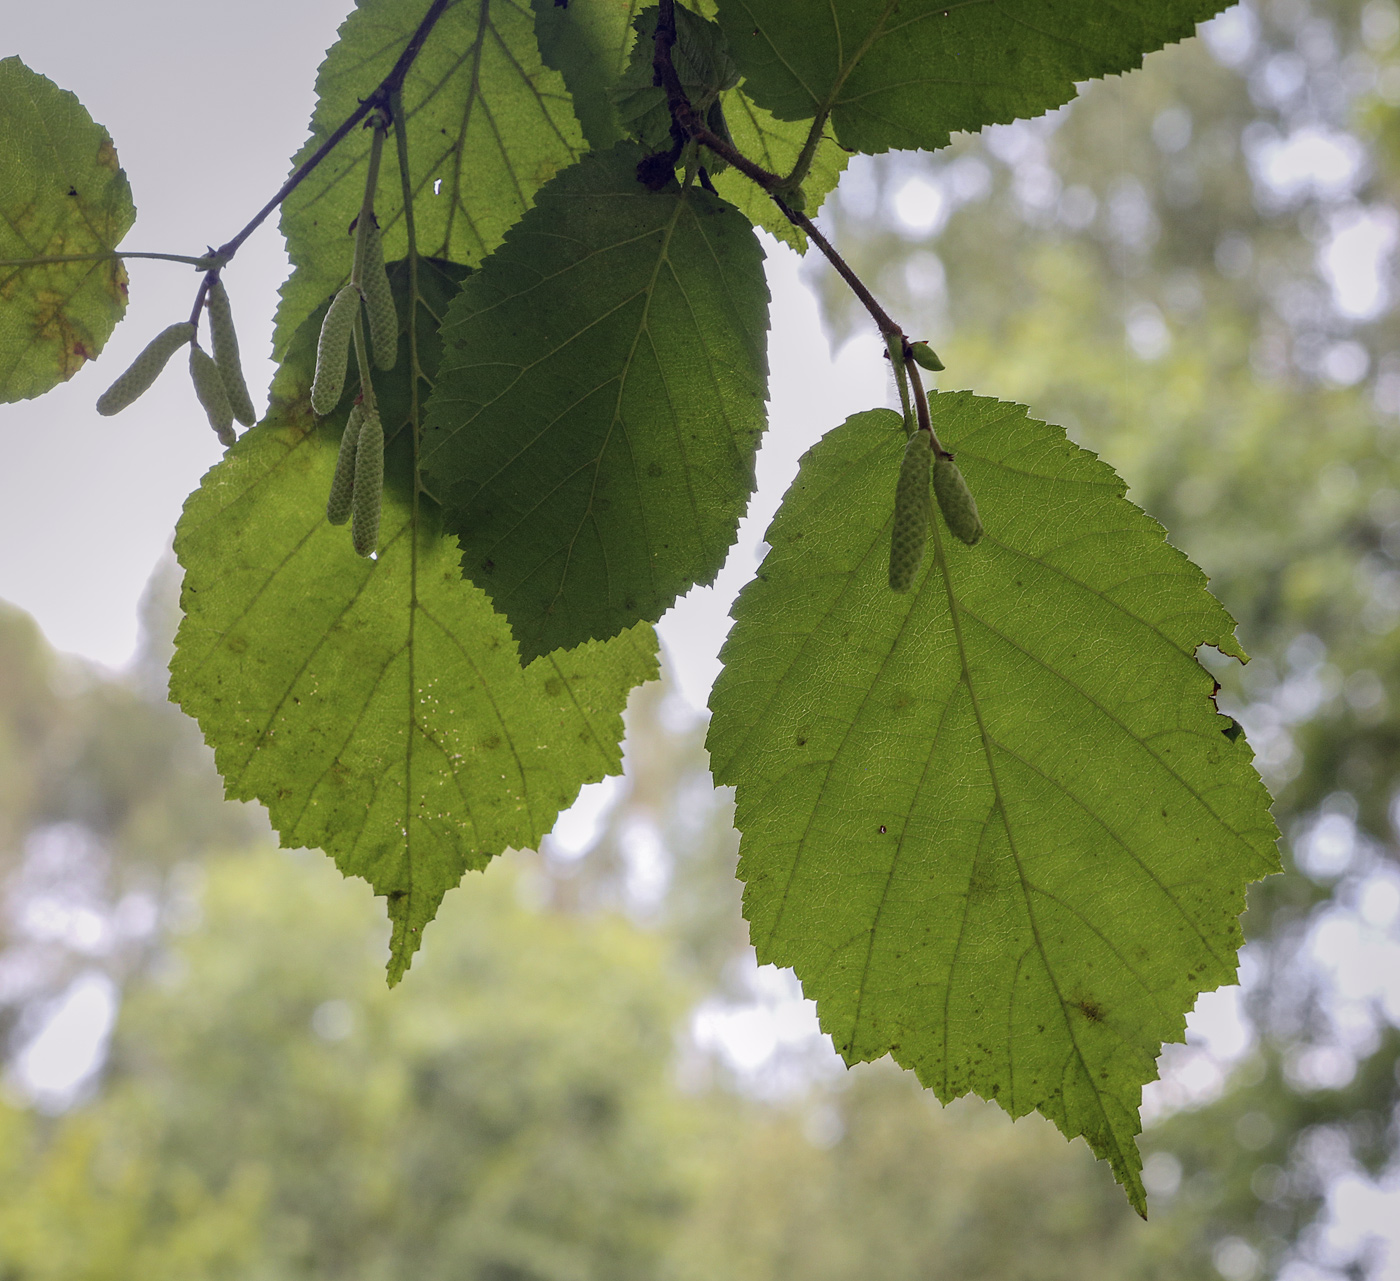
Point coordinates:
[[145, 369], [333, 350], [926, 356], [955, 501], [379, 300], [213, 395], [224, 340], [343, 484], [369, 485], [913, 509]]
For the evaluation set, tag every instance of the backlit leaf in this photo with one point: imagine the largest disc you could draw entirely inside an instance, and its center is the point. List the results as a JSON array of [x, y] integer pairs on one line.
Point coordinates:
[[377, 707], [775, 144], [488, 125], [61, 193], [996, 825], [587, 42], [593, 428], [907, 73]]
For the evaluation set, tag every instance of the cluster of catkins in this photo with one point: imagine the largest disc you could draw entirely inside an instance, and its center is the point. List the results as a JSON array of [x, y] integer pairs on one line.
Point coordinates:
[[358, 485], [913, 503], [218, 380]]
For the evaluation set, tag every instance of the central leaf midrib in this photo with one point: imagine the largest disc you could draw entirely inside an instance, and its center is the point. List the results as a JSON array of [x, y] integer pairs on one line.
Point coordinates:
[[954, 612], [662, 256]]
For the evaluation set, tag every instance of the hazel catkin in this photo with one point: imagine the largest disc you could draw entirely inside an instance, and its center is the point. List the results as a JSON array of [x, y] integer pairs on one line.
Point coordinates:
[[369, 485], [913, 509], [213, 395], [224, 341], [955, 501], [145, 369], [379, 300], [343, 483], [333, 350]]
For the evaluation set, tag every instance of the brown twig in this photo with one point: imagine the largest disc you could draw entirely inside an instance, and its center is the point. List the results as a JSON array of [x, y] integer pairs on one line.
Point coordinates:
[[685, 118]]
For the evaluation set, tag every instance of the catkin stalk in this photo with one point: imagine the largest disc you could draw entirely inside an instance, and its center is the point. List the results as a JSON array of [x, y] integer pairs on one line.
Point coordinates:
[[913, 509], [209, 387], [145, 369], [343, 483], [224, 340], [955, 501], [369, 485], [333, 350], [379, 300]]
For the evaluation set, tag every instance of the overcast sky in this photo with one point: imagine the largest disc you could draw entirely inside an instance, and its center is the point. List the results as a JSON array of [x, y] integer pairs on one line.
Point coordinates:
[[206, 103]]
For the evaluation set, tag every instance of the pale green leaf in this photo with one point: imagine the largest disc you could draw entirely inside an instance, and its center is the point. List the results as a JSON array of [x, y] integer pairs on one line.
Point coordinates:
[[907, 73], [996, 824], [775, 144], [593, 429], [377, 707], [488, 125], [61, 193]]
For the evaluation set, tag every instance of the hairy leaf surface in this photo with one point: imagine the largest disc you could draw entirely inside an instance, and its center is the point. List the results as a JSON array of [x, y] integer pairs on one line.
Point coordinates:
[[995, 824], [61, 192], [593, 428], [488, 125], [377, 707], [906, 73]]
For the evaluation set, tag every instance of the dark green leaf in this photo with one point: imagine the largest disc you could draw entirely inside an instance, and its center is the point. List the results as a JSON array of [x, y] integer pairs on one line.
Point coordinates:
[[993, 824], [488, 124], [592, 432], [377, 707], [907, 73], [61, 192], [587, 42], [701, 59]]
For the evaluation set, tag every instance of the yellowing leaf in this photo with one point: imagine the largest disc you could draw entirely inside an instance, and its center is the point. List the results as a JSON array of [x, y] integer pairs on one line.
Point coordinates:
[[61, 193]]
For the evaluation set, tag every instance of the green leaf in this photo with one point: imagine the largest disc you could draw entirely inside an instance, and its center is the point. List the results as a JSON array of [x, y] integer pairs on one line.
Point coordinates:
[[488, 125], [996, 825], [587, 42], [775, 144], [593, 429], [61, 193], [907, 73], [702, 63], [377, 707]]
